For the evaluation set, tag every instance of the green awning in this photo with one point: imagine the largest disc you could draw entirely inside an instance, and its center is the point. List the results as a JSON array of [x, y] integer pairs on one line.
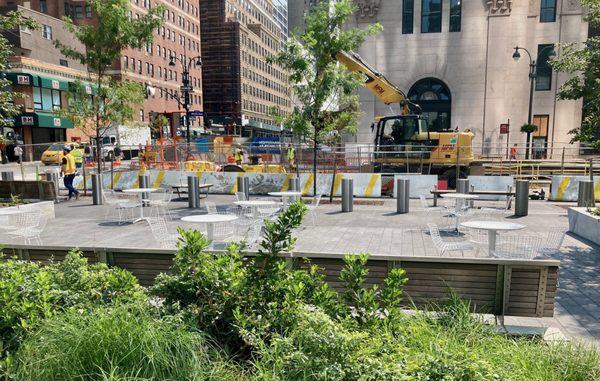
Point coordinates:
[[42, 120], [27, 79]]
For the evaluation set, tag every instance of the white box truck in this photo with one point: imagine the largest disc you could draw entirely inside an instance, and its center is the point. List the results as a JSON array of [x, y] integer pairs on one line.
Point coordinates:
[[127, 138]]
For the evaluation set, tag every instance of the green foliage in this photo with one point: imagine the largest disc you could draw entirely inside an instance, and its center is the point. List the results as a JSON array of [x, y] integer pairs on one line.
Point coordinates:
[[326, 90], [581, 60], [120, 343], [30, 293], [528, 128], [8, 21], [15, 200]]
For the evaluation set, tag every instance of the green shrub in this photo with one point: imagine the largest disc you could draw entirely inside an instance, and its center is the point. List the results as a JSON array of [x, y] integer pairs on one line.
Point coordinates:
[[30, 292], [118, 343]]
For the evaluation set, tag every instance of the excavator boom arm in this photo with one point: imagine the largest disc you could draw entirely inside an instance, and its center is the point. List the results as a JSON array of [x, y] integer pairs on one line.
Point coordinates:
[[376, 82]]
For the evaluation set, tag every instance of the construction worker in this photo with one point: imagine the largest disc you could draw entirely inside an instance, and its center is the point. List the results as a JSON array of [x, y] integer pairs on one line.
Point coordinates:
[[513, 152], [291, 155], [78, 155], [69, 169], [239, 155]]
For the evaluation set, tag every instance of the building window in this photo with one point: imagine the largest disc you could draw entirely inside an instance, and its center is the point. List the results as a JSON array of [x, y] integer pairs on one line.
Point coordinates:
[[64, 63], [543, 79], [408, 10], [548, 11], [78, 12], [435, 100], [43, 6], [142, 115], [47, 32], [431, 16], [455, 14], [88, 11], [46, 99]]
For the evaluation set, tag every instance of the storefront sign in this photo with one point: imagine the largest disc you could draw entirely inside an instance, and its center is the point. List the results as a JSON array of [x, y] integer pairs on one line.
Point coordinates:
[[57, 122], [23, 80], [55, 84], [27, 121]]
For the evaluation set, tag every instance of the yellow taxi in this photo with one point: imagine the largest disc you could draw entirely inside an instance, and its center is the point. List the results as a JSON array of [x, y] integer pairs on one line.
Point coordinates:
[[54, 154]]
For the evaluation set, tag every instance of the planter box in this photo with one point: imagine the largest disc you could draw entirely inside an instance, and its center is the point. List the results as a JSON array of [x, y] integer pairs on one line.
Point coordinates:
[[46, 207], [584, 224]]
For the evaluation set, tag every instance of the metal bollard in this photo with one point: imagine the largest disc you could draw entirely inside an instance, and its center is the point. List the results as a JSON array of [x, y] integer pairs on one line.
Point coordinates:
[[402, 196], [8, 176], [193, 192], [347, 195], [522, 198], [294, 186], [586, 194], [462, 185], [97, 189], [144, 182], [243, 185]]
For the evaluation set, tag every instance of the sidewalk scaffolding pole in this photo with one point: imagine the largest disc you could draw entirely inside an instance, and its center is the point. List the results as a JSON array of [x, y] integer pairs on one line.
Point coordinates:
[[193, 192], [8, 176], [97, 189], [585, 198], [347, 195], [522, 198], [402, 196]]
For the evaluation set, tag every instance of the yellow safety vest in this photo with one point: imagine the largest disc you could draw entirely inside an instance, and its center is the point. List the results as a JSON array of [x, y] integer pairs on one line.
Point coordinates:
[[78, 155], [239, 156], [69, 167], [291, 153]]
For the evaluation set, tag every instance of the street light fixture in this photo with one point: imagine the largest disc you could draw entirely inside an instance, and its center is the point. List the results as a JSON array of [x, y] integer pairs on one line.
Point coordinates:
[[532, 76], [186, 88]]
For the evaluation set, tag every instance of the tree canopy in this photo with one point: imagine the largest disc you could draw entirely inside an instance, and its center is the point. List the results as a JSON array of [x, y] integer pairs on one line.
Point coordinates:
[[325, 91], [582, 61]]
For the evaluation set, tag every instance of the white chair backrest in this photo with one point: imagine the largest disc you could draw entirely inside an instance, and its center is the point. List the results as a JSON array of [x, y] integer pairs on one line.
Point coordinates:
[[241, 196], [434, 231], [316, 200], [158, 226], [518, 246], [222, 230], [211, 207], [26, 220], [555, 238]]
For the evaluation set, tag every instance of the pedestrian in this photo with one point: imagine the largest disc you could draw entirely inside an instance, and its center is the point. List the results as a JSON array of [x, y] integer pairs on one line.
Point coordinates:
[[239, 156], [69, 170], [513, 152], [78, 155], [291, 156], [18, 151]]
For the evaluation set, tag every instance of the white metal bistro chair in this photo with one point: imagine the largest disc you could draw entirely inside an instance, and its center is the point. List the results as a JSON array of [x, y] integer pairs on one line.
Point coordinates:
[[211, 207], [29, 226], [552, 241], [312, 208], [159, 203], [517, 246], [498, 213], [246, 230], [120, 206], [160, 232], [445, 247], [240, 196]]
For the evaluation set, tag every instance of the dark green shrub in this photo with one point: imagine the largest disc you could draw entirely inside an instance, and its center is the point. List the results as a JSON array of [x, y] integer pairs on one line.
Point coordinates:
[[30, 292], [118, 343]]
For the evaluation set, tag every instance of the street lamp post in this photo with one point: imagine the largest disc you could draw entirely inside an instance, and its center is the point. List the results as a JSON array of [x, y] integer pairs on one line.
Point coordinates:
[[532, 76], [186, 88]]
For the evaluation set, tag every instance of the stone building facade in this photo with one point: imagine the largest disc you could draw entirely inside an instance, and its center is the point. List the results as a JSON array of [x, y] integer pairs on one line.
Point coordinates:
[[454, 58], [240, 87]]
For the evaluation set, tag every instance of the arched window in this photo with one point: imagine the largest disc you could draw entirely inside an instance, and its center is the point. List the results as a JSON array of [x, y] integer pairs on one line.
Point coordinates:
[[436, 101]]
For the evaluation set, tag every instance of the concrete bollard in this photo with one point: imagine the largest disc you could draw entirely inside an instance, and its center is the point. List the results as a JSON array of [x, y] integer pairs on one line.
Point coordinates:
[[403, 196], [347, 195], [97, 189], [462, 186], [586, 194], [193, 192], [522, 198], [8, 176]]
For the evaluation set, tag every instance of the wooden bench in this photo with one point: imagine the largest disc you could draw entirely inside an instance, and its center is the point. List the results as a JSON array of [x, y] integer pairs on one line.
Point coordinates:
[[502, 287], [178, 189]]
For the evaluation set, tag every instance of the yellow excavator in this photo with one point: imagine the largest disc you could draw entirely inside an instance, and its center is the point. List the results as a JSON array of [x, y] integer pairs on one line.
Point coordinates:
[[405, 142]]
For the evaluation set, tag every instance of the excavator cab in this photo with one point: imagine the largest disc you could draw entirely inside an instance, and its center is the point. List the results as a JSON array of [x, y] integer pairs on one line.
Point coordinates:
[[396, 133]]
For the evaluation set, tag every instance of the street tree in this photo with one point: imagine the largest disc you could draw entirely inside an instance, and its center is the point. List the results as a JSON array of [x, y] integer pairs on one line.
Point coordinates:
[[325, 91], [110, 101], [581, 60]]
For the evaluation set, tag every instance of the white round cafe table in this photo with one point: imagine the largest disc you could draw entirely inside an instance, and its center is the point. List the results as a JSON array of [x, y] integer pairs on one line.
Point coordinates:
[[140, 192], [210, 220], [492, 228]]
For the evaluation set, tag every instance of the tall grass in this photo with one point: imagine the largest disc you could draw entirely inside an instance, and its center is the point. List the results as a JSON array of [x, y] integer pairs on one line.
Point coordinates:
[[121, 344]]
